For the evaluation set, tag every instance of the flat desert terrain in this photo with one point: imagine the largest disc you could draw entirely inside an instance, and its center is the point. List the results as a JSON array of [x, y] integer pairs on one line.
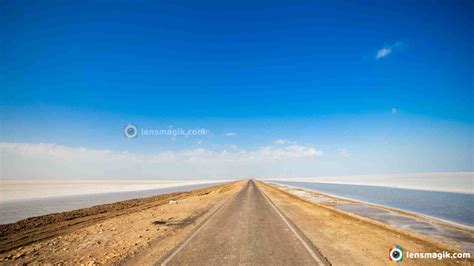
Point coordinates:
[[244, 222]]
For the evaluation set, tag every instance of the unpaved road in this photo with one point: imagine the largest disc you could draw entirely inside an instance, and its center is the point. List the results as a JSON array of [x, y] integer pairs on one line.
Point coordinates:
[[248, 229]]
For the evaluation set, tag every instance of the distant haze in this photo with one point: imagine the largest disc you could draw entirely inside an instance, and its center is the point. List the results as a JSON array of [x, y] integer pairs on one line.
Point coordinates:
[[449, 182], [14, 190], [283, 160]]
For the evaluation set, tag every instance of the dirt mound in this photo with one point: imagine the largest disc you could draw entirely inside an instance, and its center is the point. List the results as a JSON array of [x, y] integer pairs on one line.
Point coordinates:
[[37, 228], [34, 222]]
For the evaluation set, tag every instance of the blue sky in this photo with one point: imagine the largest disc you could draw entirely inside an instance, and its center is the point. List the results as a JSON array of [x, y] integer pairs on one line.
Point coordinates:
[[371, 86]]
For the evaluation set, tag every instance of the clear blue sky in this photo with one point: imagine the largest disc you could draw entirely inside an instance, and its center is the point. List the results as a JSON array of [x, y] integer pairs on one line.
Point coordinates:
[[387, 84]]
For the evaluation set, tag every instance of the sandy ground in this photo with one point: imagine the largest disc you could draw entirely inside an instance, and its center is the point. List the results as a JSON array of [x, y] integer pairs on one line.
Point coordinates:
[[346, 239], [111, 236], [454, 234], [142, 231]]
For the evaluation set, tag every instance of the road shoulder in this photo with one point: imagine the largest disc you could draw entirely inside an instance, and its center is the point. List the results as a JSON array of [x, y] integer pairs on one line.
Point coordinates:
[[348, 240], [119, 236]]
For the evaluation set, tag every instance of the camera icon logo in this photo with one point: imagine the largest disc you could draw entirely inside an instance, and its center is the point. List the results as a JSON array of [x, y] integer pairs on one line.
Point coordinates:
[[395, 254], [130, 131]]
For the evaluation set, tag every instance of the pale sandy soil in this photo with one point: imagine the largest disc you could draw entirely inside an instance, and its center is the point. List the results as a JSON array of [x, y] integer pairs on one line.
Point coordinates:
[[345, 239], [113, 240], [141, 232]]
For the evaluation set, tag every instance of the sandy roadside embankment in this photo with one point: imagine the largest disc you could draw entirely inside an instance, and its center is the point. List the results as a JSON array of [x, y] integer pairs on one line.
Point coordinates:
[[142, 231], [346, 239], [112, 233]]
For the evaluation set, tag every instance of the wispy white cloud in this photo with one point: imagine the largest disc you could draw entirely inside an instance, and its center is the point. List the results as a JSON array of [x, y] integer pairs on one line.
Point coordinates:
[[287, 152], [383, 52], [284, 142], [388, 49], [58, 161], [343, 152], [230, 134]]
